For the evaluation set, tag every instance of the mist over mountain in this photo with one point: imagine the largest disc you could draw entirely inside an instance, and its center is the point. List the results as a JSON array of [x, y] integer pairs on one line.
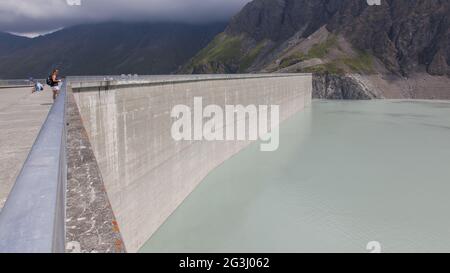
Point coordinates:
[[107, 48], [43, 16]]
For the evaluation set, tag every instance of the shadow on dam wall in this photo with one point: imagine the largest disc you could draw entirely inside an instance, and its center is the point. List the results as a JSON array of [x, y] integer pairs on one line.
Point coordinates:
[[146, 173]]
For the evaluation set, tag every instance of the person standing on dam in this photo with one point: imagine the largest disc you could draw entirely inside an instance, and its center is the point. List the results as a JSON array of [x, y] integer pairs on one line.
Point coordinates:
[[53, 81]]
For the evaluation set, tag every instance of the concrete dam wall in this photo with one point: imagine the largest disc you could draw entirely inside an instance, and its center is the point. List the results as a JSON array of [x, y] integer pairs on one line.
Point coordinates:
[[146, 173]]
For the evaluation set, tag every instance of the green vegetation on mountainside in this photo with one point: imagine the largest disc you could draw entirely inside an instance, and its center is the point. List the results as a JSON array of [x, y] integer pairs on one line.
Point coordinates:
[[362, 63], [249, 58], [332, 68], [222, 49], [225, 54], [319, 50], [230, 54], [322, 49]]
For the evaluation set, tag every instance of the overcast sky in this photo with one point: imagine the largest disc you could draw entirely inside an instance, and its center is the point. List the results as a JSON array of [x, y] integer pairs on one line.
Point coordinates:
[[40, 16]]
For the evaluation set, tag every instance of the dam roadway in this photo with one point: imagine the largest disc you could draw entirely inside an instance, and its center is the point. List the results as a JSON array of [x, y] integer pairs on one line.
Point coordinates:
[[21, 116], [114, 173]]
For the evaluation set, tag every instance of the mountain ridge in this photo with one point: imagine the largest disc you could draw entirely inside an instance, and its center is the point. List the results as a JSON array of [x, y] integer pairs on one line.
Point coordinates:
[[403, 34], [396, 41], [10, 42], [107, 48]]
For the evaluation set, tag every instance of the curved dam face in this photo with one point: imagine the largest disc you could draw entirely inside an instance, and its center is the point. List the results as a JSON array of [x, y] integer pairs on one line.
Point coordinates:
[[147, 174]]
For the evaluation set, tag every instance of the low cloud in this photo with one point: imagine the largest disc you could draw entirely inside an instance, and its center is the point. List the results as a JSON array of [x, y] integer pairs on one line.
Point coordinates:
[[38, 16]]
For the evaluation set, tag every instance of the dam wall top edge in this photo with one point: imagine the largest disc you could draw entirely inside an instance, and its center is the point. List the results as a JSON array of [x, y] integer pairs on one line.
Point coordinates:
[[83, 83]]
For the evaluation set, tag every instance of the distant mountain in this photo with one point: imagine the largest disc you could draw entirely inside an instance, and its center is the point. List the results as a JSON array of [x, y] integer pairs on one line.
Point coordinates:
[[397, 40], [9, 43], [108, 48]]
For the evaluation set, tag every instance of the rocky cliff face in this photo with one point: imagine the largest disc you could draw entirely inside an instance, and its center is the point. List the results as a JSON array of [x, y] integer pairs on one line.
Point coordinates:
[[404, 34], [333, 37], [340, 87]]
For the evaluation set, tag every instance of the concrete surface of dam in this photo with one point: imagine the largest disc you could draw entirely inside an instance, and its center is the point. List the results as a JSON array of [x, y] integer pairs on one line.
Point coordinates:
[[146, 173], [21, 116], [105, 170]]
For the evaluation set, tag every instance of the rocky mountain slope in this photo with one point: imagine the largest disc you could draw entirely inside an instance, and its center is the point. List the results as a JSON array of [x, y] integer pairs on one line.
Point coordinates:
[[108, 48], [375, 51]]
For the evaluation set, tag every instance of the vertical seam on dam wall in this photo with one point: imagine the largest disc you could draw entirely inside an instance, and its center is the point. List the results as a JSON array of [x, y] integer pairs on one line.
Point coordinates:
[[90, 222]]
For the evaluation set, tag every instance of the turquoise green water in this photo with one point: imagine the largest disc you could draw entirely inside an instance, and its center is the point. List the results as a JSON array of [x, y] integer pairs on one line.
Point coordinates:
[[346, 174]]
